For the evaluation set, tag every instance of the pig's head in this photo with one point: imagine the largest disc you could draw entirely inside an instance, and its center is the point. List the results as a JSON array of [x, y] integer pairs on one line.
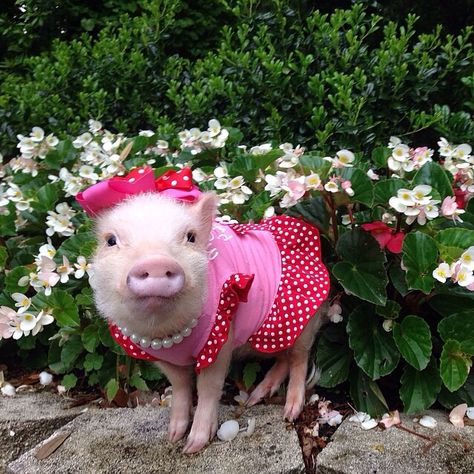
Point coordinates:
[[150, 266]]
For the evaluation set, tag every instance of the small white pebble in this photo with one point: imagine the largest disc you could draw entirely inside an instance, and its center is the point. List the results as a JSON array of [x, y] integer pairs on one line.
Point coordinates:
[[45, 378], [228, 430], [428, 421], [359, 417], [335, 420], [314, 398], [369, 424], [250, 426], [61, 389], [8, 390], [470, 413], [11, 433]]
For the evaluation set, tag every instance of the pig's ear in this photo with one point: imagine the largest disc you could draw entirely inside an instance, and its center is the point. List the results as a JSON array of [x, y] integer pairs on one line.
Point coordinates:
[[206, 208]]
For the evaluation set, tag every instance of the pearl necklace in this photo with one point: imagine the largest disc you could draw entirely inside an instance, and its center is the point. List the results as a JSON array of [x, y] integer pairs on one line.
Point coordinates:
[[159, 343]]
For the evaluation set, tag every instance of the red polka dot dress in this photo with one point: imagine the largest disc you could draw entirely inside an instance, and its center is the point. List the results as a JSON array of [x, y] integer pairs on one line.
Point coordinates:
[[270, 282]]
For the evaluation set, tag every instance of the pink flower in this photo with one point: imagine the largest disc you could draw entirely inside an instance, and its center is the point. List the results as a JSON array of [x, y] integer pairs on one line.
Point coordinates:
[[449, 208], [347, 186], [7, 321], [385, 235]]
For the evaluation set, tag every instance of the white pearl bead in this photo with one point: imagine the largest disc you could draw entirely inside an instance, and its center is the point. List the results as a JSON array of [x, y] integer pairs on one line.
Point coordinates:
[[177, 338], [135, 338], [145, 342], [156, 344], [167, 342], [186, 332], [193, 323], [125, 331]]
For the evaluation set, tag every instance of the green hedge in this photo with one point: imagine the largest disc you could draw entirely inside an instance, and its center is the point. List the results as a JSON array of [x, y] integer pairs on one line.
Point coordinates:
[[348, 78]]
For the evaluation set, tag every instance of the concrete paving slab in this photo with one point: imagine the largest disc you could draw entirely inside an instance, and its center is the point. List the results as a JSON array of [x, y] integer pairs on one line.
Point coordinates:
[[393, 451], [28, 418], [116, 441]]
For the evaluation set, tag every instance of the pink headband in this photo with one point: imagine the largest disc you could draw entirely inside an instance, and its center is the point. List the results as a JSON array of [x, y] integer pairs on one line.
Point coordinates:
[[107, 193]]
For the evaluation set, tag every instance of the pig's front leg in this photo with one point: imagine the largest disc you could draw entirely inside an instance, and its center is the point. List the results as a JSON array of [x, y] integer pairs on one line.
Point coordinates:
[[209, 386], [181, 403]]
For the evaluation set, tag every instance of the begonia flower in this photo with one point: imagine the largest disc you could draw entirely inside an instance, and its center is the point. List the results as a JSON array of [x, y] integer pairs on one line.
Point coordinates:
[[385, 235]]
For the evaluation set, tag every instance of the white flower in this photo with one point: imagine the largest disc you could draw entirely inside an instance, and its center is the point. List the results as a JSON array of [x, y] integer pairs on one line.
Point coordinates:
[[146, 133], [464, 276], [442, 272], [394, 141], [373, 175], [420, 194], [331, 187], [387, 325], [65, 270], [241, 398], [269, 212], [87, 172], [462, 152], [199, 176], [82, 267], [37, 134], [27, 322], [369, 424], [94, 126], [43, 319], [214, 127], [45, 378], [82, 140], [22, 302], [467, 258], [313, 181], [261, 149], [401, 152], [221, 172], [236, 182], [46, 280]]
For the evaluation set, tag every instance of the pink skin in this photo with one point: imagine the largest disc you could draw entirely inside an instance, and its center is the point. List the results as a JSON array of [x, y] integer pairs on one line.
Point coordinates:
[[152, 280]]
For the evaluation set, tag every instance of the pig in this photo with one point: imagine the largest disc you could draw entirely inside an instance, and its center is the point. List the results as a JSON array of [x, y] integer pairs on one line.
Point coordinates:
[[187, 290]]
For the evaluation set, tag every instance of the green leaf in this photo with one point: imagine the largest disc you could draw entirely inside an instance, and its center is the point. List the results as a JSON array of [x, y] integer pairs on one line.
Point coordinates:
[[140, 143], [62, 154], [69, 381], [251, 370], [391, 310], [420, 258], [446, 304], [459, 327], [312, 210], [12, 277], [380, 155], [73, 245], [362, 271], [464, 395], [46, 197], [62, 306], [374, 349], [316, 164], [413, 339], [7, 222], [397, 277], [265, 160], [434, 175], [138, 382], [360, 183], [90, 338], [333, 356], [71, 350], [111, 389], [93, 362], [3, 257], [85, 297], [366, 394], [419, 389], [384, 190], [454, 366], [453, 242], [150, 371]]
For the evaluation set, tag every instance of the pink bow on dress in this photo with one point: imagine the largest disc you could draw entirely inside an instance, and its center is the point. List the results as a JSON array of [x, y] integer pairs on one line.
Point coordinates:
[[107, 193]]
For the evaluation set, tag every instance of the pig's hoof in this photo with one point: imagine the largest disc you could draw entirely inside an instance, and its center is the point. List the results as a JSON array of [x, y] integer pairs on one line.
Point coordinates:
[[195, 443], [177, 430], [293, 407]]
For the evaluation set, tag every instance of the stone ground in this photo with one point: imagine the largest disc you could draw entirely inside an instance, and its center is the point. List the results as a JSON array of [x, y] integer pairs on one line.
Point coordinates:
[[134, 440]]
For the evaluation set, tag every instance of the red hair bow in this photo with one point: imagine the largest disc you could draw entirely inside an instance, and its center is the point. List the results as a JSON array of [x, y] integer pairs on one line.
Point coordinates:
[[107, 193]]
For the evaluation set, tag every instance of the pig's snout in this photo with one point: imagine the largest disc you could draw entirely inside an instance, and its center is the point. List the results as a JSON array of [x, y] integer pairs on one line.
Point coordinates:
[[158, 276]]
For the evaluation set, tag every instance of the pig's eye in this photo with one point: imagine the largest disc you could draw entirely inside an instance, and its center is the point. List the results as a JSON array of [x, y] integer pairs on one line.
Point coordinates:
[[191, 237], [111, 240]]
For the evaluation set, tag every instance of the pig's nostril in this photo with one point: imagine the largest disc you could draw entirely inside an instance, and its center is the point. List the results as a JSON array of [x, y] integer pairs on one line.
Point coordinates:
[[144, 275], [169, 274]]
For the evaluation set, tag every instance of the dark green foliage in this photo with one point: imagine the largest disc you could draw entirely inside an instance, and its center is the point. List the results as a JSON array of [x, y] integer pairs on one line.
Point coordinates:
[[275, 70]]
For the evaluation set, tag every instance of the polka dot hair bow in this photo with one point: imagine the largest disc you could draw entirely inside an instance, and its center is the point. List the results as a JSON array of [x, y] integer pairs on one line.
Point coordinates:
[[107, 193]]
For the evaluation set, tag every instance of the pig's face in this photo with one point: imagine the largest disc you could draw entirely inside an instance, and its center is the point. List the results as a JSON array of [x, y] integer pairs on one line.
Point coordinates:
[[150, 266]]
